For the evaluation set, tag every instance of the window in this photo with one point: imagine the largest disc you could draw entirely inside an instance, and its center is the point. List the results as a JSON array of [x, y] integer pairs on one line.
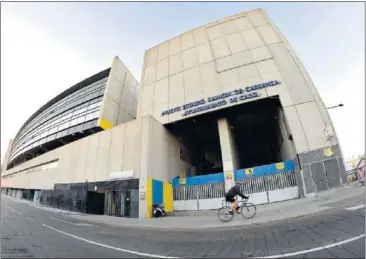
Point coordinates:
[[89, 116], [44, 134], [81, 119], [96, 114], [64, 125], [73, 122], [50, 138], [52, 130]]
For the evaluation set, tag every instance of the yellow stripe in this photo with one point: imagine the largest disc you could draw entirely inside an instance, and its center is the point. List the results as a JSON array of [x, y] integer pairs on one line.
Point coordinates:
[[105, 124], [168, 196], [149, 198]]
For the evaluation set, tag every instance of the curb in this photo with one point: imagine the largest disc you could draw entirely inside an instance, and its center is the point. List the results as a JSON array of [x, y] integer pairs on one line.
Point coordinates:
[[208, 228]]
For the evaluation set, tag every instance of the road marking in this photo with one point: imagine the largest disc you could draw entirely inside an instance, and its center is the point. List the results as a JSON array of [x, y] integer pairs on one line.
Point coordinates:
[[75, 224], [30, 218], [20, 214], [356, 207], [12, 209], [111, 247], [317, 248]]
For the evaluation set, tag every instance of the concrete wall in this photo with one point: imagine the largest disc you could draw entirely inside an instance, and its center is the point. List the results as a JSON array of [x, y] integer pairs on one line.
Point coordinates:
[[143, 146], [160, 158], [120, 98], [90, 159], [287, 148], [234, 52]]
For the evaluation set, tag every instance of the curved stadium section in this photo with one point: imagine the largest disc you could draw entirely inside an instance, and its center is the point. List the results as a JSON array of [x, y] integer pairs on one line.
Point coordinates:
[[67, 117], [71, 115]]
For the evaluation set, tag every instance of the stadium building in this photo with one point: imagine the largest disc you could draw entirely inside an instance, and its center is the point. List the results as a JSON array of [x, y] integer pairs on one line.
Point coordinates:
[[226, 102]]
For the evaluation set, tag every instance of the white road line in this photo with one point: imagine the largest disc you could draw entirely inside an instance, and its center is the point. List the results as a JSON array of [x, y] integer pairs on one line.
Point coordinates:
[[12, 209], [356, 207], [75, 224], [111, 247], [317, 248], [30, 218], [20, 214]]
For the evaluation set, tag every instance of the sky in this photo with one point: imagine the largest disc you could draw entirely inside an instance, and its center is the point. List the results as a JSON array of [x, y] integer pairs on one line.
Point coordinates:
[[48, 47]]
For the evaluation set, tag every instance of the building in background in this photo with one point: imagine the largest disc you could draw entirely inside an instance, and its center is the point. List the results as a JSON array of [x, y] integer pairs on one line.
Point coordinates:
[[227, 102]]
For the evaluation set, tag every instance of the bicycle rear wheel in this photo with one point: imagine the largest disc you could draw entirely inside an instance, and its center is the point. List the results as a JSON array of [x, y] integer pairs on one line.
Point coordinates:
[[224, 214], [248, 210]]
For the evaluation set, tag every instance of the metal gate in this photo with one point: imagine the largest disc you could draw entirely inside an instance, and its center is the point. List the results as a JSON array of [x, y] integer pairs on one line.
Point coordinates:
[[268, 184], [122, 203]]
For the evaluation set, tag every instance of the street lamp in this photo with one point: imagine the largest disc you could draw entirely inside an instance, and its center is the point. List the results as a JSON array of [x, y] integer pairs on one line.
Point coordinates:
[[336, 106]]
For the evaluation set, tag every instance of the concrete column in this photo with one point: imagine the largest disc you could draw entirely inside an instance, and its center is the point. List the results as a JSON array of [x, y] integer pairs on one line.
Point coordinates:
[[230, 159]]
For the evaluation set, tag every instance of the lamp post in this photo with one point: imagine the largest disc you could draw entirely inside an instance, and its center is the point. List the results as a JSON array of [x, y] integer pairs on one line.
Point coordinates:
[[336, 106]]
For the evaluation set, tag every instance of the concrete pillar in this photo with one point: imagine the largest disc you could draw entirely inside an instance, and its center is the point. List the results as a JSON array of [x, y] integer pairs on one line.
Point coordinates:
[[230, 159]]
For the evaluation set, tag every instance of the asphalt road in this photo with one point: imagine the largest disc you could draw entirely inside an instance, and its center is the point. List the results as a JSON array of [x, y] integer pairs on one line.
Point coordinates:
[[31, 232]]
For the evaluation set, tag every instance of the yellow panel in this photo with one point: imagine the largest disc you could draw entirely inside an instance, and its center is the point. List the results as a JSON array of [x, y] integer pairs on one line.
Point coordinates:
[[280, 166], [182, 181], [105, 124], [249, 171], [168, 196], [149, 198], [328, 152], [183, 174]]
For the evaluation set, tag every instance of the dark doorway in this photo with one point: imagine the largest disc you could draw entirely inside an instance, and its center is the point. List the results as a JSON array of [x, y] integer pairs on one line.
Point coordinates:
[[199, 143], [95, 203], [255, 130]]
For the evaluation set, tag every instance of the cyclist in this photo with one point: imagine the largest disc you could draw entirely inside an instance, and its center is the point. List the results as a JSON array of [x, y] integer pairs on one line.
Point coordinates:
[[230, 197]]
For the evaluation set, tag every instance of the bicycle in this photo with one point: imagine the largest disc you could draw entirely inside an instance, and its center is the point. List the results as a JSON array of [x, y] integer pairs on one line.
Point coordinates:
[[245, 207]]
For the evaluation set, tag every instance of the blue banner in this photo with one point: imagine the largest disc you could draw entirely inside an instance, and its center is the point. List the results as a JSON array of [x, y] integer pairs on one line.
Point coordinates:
[[240, 174], [198, 180], [259, 171]]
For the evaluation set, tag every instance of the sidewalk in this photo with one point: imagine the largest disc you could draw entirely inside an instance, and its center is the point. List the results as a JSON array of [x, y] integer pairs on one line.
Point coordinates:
[[208, 219]]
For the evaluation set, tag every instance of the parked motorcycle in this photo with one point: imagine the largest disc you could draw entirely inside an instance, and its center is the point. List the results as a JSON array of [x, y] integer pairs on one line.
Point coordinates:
[[158, 210]]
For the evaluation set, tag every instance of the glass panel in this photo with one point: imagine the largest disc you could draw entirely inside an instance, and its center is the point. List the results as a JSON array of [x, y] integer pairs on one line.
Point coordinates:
[[82, 110], [92, 106], [81, 119], [96, 114], [89, 117], [74, 122], [53, 130], [68, 116], [64, 125]]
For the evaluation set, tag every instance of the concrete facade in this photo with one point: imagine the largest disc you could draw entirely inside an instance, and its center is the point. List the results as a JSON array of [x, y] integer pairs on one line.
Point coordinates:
[[120, 98], [228, 54], [236, 52]]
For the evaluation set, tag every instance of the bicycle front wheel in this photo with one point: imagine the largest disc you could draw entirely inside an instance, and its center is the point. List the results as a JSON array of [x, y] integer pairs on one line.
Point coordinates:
[[224, 214], [248, 210]]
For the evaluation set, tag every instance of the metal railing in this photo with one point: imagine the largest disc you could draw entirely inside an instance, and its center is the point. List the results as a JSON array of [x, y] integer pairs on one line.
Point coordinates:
[[194, 192], [247, 186], [268, 182]]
